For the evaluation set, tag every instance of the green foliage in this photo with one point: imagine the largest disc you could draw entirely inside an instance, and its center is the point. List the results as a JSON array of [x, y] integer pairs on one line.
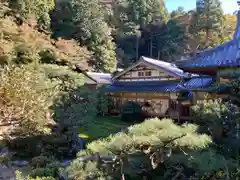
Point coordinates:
[[39, 8], [40, 161], [209, 111], [87, 22], [49, 170], [81, 171], [132, 111], [136, 146], [25, 98], [207, 25], [63, 77], [131, 19], [75, 108], [104, 102], [20, 177], [211, 16], [143, 12], [24, 44]]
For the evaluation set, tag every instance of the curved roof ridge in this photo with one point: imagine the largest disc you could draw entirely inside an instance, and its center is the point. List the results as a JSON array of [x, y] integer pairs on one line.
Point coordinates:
[[164, 65], [224, 55], [237, 29]]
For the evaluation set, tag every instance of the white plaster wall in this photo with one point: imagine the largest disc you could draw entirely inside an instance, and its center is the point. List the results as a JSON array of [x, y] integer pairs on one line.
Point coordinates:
[[88, 80], [157, 75]]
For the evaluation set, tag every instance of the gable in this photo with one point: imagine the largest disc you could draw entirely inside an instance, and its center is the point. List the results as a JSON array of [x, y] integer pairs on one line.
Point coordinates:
[[143, 71], [88, 80]]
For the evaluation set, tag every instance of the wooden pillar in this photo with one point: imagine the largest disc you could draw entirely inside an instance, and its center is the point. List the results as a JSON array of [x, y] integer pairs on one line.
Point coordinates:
[[178, 110]]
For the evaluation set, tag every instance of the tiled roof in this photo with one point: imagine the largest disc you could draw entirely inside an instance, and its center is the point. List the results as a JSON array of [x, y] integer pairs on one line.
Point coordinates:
[[225, 55], [197, 83], [101, 78], [170, 68], [144, 86], [160, 86]]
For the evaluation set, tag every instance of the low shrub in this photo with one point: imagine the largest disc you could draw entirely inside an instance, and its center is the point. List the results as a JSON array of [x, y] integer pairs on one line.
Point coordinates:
[[20, 177], [48, 170], [40, 161], [132, 112]]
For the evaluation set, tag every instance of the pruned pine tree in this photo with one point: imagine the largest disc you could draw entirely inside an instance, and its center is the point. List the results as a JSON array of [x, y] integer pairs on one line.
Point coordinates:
[[151, 149]]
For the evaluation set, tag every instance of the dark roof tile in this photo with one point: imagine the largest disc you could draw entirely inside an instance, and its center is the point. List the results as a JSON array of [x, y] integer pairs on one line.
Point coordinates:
[[160, 86], [224, 55]]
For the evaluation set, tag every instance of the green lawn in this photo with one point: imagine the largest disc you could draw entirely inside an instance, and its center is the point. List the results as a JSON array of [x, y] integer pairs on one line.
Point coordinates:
[[102, 127]]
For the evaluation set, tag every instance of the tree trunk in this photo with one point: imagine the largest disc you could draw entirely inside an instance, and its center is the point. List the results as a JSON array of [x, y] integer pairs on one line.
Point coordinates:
[[207, 36], [137, 45], [158, 54], [151, 44]]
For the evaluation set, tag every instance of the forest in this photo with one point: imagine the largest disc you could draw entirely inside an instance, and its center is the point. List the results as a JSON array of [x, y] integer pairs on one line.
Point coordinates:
[[45, 109]]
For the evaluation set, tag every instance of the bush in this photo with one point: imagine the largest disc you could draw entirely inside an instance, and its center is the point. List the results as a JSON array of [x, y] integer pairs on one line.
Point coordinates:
[[172, 143], [40, 161], [25, 97], [104, 102], [132, 112], [215, 115], [47, 170], [20, 177]]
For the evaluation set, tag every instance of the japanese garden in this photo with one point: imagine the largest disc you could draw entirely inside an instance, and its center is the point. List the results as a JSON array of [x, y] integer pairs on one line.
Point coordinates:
[[119, 89]]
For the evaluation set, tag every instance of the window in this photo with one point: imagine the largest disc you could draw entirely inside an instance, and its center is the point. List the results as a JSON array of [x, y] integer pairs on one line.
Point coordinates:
[[140, 73], [148, 73]]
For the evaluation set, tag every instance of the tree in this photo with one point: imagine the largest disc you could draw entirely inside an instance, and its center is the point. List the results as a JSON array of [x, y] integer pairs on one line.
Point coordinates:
[[86, 21], [209, 17], [39, 8], [153, 149], [178, 12], [131, 18], [208, 27], [25, 96]]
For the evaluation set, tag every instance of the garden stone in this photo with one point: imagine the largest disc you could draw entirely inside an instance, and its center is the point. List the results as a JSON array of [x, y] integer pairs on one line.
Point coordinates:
[[3, 166], [65, 163], [4, 151], [62, 176]]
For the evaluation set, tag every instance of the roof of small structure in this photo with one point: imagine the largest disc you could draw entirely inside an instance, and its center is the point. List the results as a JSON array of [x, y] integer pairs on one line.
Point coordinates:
[[156, 64], [160, 86], [197, 83], [101, 78], [224, 55]]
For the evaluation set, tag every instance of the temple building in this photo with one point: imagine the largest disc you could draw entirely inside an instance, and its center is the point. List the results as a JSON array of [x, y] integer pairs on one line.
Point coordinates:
[[171, 89], [168, 89]]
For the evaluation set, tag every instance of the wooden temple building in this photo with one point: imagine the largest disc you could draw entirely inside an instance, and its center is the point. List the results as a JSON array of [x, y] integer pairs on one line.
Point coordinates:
[[171, 89]]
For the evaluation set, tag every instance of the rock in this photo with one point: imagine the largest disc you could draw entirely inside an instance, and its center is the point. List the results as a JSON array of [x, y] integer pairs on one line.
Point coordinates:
[[79, 144], [4, 151], [3, 166], [19, 163], [65, 163], [62, 175]]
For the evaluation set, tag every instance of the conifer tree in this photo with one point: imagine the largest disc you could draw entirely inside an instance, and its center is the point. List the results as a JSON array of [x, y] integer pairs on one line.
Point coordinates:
[[84, 21], [209, 17]]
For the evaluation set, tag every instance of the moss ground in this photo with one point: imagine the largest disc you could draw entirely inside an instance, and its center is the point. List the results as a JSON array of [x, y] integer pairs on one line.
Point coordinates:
[[102, 127]]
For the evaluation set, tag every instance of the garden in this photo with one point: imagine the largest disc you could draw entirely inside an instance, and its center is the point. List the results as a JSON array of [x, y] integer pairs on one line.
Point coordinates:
[[53, 127]]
